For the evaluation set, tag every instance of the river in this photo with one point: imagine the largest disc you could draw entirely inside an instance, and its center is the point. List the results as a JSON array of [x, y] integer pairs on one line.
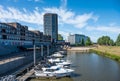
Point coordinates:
[[90, 67]]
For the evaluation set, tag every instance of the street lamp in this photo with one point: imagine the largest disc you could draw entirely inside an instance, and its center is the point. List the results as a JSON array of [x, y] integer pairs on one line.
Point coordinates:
[[34, 55]]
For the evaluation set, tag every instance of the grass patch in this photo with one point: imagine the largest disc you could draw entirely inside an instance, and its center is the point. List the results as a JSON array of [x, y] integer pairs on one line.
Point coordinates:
[[106, 54]]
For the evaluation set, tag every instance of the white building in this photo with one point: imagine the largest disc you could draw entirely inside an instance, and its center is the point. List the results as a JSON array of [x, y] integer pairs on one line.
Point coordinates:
[[76, 38]]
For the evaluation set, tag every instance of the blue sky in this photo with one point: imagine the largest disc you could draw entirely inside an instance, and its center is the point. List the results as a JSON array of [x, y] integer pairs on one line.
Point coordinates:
[[93, 18]]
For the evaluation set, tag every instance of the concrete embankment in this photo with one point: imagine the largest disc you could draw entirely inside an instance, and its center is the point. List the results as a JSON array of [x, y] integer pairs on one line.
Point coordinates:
[[17, 63], [8, 65]]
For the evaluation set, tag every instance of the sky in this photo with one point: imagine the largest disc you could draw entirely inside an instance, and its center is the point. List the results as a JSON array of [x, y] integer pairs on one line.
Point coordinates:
[[93, 18]]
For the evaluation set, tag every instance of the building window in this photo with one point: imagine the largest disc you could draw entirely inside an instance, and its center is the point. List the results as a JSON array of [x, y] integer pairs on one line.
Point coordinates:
[[4, 36]]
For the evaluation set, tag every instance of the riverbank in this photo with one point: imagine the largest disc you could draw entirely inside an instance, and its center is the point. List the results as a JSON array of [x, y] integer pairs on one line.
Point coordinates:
[[82, 49], [112, 52]]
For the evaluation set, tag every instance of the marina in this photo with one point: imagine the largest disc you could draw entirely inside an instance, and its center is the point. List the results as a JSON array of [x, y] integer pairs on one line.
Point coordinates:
[[64, 40], [83, 66], [53, 67], [89, 67]]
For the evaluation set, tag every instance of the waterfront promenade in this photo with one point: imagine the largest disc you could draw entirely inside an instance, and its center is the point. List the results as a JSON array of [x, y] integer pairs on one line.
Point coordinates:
[[14, 63]]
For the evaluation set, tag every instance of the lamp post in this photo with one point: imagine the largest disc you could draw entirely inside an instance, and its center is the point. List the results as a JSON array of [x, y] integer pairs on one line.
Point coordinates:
[[42, 50], [34, 53]]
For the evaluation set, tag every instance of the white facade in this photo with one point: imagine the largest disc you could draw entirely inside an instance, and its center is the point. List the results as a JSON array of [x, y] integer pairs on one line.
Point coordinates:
[[76, 38]]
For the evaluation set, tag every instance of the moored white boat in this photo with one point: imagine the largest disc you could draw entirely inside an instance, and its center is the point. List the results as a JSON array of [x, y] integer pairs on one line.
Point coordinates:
[[53, 71], [54, 60], [64, 64], [54, 66], [58, 55], [60, 62], [63, 52], [43, 72], [63, 72]]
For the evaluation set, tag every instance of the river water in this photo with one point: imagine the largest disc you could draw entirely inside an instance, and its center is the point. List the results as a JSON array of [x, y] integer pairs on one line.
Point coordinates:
[[90, 67]]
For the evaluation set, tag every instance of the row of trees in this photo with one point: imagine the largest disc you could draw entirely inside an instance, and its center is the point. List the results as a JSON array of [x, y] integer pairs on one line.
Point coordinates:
[[118, 40], [106, 40]]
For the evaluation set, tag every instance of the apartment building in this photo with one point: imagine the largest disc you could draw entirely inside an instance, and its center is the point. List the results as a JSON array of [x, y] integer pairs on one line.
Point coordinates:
[[15, 33]]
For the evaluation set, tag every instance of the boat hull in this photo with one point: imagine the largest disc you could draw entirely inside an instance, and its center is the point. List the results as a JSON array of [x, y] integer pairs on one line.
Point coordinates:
[[57, 75]]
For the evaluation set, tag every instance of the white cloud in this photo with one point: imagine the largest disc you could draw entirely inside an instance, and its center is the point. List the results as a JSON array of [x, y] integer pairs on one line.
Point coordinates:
[[24, 10], [36, 17], [69, 17], [94, 38], [11, 14], [37, 8], [111, 29], [112, 24], [64, 34]]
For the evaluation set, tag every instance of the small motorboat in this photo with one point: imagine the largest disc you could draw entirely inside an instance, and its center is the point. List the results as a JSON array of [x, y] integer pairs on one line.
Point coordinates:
[[63, 52], [58, 55], [60, 62], [43, 71], [53, 71], [54, 60], [65, 64]]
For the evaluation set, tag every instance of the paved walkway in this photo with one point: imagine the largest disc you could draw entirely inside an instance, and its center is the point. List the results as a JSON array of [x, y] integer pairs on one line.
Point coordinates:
[[15, 57], [26, 76], [17, 54], [10, 59]]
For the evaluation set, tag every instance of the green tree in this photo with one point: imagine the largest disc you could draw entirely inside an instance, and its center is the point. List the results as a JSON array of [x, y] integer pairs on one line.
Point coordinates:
[[88, 42], [100, 41], [111, 42], [82, 42], [105, 40], [60, 37], [118, 40]]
